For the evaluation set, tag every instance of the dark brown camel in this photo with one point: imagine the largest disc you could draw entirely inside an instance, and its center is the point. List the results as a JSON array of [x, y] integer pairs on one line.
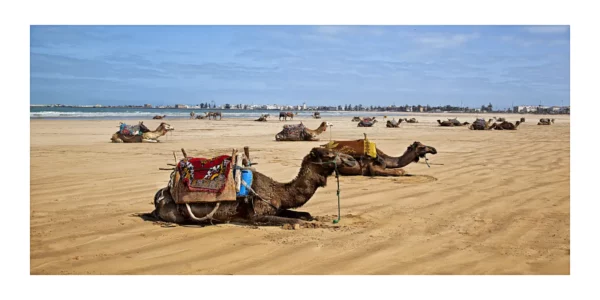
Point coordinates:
[[383, 164], [286, 115], [263, 118], [213, 115], [317, 115], [269, 202], [481, 124], [356, 119], [157, 117], [522, 120], [411, 120], [367, 122], [505, 126], [452, 123]]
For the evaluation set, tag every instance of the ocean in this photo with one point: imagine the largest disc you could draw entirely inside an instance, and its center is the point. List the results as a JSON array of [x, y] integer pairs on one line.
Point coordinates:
[[38, 112]]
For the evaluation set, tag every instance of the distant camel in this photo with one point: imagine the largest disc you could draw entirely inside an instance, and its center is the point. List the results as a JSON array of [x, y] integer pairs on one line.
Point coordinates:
[[157, 117], [393, 123], [481, 124], [263, 118], [214, 115], [452, 123], [356, 119], [505, 126], [411, 120], [367, 122], [546, 121], [286, 115]]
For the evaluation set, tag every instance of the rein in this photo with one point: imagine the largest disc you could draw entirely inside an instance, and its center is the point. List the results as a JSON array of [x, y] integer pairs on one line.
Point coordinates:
[[337, 176]]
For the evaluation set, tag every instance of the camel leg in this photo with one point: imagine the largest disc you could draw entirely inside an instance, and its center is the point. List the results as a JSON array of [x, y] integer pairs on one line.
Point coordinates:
[[149, 141], [274, 220], [374, 170], [295, 215]]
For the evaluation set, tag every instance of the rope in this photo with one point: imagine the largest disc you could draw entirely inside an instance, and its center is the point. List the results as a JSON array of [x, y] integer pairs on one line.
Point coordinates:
[[337, 176]]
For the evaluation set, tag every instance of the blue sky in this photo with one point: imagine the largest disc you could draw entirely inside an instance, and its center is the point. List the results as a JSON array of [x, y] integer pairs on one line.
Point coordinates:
[[319, 65]]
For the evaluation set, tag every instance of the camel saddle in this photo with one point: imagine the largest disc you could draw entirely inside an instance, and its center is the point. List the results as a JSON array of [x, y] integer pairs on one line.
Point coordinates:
[[294, 132], [197, 180], [129, 130], [355, 148]]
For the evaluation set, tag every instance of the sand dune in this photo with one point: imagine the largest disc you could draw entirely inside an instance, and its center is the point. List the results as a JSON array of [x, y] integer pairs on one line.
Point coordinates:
[[493, 202]]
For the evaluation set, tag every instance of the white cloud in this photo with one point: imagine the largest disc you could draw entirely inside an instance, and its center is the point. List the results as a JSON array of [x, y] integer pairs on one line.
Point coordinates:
[[440, 41], [547, 29]]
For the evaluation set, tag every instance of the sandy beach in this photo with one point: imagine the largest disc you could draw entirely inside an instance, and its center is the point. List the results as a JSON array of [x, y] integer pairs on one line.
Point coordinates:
[[492, 202]]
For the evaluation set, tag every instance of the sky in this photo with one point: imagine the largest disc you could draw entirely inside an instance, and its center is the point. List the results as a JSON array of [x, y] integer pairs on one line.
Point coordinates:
[[316, 65]]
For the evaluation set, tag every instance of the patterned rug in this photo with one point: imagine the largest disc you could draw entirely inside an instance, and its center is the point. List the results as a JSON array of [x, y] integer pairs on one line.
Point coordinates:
[[205, 174], [293, 132], [139, 129]]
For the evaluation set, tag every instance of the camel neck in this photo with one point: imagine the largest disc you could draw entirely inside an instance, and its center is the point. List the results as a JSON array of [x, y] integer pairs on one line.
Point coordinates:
[[398, 162], [303, 187]]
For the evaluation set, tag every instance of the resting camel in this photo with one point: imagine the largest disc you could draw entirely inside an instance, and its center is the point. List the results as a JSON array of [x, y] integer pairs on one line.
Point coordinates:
[[300, 132], [269, 203], [146, 137], [452, 123], [546, 121], [286, 115], [367, 122], [383, 165], [157, 117], [481, 124], [411, 120], [263, 118], [192, 115], [393, 123], [214, 115], [505, 126], [317, 115], [356, 119]]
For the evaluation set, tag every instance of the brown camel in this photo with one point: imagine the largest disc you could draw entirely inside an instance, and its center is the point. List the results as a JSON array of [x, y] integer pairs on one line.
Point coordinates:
[[146, 137], [356, 119], [383, 164], [263, 118], [317, 115], [522, 120], [157, 117], [451, 123], [411, 120], [481, 124], [505, 126], [213, 115], [286, 115], [546, 121], [393, 123], [367, 122], [268, 203], [300, 132]]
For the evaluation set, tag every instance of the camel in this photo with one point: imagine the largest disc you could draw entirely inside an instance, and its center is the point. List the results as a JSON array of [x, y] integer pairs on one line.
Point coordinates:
[[192, 115], [393, 123], [268, 203], [157, 117], [263, 118], [546, 121], [214, 115], [383, 164], [411, 120], [367, 122], [356, 119], [300, 132], [505, 126], [481, 124], [286, 115], [146, 137], [317, 115], [452, 123]]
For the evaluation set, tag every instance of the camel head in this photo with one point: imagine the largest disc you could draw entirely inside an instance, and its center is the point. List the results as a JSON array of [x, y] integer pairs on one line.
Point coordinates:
[[165, 127], [420, 150]]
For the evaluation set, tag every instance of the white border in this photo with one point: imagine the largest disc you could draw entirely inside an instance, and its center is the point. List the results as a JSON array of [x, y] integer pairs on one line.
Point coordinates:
[[15, 32]]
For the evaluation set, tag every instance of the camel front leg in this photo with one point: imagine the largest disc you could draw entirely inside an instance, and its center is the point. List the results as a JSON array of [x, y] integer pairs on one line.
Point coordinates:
[[295, 215], [275, 220], [149, 141]]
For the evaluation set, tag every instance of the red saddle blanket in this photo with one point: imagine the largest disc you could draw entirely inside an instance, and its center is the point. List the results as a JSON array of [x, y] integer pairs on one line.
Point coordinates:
[[205, 174]]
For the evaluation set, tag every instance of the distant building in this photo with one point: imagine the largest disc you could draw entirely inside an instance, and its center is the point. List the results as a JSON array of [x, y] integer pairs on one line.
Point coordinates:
[[181, 106], [304, 106], [147, 105]]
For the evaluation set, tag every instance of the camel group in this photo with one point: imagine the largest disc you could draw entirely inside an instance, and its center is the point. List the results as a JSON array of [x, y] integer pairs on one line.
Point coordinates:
[[269, 202], [480, 124]]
